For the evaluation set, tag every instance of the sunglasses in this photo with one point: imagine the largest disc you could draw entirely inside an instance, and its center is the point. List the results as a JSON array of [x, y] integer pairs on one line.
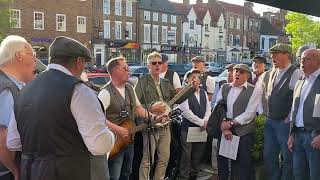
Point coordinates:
[[155, 63]]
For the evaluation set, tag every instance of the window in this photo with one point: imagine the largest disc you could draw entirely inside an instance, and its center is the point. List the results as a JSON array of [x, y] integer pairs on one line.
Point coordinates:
[[237, 42], [147, 33], [191, 24], [106, 29], [164, 34], [38, 20], [174, 35], [262, 43], [173, 19], [231, 22], [244, 41], [155, 17], [238, 23], [155, 29], [230, 39], [245, 24], [106, 7], [206, 27], [220, 29], [129, 8], [250, 25], [129, 30], [81, 24], [186, 38], [15, 18], [146, 15], [164, 18], [220, 42], [118, 7], [61, 22], [118, 30]]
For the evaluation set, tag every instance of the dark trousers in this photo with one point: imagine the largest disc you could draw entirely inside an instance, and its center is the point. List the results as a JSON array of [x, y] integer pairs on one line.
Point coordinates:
[[191, 157], [242, 167], [8, 176]]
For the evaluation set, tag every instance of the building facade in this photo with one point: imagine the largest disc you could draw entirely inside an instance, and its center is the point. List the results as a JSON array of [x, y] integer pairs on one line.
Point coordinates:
[[40, 21]]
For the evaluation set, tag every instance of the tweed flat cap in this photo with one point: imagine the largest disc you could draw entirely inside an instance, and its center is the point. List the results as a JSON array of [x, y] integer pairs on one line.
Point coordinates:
[[197, 59], [242, 67], [259, 59], [67, 47], [281, 47], [230, 66]]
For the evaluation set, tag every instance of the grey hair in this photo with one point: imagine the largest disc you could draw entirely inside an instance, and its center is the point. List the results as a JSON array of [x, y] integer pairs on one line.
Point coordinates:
[[10, 46]]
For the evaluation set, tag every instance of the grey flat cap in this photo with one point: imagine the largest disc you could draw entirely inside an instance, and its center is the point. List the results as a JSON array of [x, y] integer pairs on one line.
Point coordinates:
[[243, 67], [67, 47], [230, 65], [300, 50], [198, 59]]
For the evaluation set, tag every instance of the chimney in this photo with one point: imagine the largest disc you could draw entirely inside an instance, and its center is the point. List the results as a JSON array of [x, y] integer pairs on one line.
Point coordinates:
[[199, 1], [248, 5], [212, 2], [186, 2]]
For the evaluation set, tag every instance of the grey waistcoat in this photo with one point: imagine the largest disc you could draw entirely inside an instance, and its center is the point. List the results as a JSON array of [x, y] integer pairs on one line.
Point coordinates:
[[240, 106], [310, 123], [280, 96], [113, 111]]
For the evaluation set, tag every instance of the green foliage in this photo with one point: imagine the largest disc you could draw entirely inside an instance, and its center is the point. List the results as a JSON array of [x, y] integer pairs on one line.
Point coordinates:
[[257, 148], [303, 29], [4, 18]]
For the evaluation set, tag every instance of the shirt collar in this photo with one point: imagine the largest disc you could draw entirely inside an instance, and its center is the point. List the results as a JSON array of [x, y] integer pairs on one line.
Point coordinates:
[[245, 85], [18, 83], [314, 75], [59, 68], [285, 69]]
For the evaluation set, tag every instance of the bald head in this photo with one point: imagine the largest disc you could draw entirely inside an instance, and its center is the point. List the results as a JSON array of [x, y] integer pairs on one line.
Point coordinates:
[[310, 61]]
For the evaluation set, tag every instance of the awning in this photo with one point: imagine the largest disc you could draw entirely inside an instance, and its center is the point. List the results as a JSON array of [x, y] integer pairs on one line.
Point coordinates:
[[311, 7]]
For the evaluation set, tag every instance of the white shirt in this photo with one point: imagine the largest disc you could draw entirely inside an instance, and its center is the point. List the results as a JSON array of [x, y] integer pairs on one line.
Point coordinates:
[[232, 97], [104, 97], [176, 79], [188, 114], [257, 94], [90, 120], [308, 83], [210, 83]]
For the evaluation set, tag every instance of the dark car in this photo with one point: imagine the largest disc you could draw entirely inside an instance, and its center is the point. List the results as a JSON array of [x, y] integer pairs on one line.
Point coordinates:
[[99, 79], [138, 70]]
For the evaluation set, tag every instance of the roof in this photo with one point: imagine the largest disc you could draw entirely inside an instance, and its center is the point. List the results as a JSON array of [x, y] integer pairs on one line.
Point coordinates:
[[268, 29], [160, 6], [237, 9], [182, 9]]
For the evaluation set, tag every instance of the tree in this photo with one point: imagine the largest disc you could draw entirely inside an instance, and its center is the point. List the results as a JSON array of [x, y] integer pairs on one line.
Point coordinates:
[[4, 18], [303, 29]]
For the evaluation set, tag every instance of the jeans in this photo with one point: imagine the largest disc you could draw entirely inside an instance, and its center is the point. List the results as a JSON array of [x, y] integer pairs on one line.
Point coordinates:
[[306, 159], [120, 167], [276, 133]]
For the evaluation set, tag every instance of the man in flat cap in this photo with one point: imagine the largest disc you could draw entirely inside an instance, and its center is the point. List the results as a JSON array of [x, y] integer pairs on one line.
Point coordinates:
[[172, 76], [207, 82], [237, 95], [278, 90], [59, 131], [258, 67]]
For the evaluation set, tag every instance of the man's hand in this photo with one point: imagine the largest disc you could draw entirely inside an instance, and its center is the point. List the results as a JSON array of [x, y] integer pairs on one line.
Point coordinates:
[[158, 108], [316, 142], [225, 125], [227, 134], [204, 126], [290, 143], [162, 118], [122, 132]]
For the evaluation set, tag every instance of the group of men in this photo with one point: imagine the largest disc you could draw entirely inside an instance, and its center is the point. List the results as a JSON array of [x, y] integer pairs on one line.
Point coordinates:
[[56, 127]]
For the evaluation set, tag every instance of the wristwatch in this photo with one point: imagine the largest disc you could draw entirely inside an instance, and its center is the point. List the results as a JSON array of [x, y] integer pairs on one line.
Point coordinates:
[[232, 123]]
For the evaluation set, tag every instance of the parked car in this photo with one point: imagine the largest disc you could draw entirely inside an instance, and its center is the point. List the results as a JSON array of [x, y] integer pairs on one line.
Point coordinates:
[[99, 79], [213, 68], [138, 70]]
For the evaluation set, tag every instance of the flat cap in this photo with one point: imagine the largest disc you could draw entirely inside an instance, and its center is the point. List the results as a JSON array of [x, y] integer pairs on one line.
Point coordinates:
[[193, 71], [67, 47], [281, 47], [197, 59], [230, 66], [164, 58], [259, 59], [300, 50], [242, 67]]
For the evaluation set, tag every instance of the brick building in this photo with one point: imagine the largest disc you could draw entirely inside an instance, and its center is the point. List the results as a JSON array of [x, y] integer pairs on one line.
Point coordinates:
[[40, 21]]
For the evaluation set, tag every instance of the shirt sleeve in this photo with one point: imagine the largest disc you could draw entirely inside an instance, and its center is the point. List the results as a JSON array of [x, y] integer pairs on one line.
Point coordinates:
[[137, 100], [188, 114], [219, 95], [13, 136], [104, 97], [210, 84], [91, 121], [297, 74], [176, 81], [6, 107], [208, 109], [251, 110]]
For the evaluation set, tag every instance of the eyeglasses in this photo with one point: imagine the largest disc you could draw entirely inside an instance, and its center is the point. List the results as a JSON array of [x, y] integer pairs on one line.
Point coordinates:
[[155, 63]]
